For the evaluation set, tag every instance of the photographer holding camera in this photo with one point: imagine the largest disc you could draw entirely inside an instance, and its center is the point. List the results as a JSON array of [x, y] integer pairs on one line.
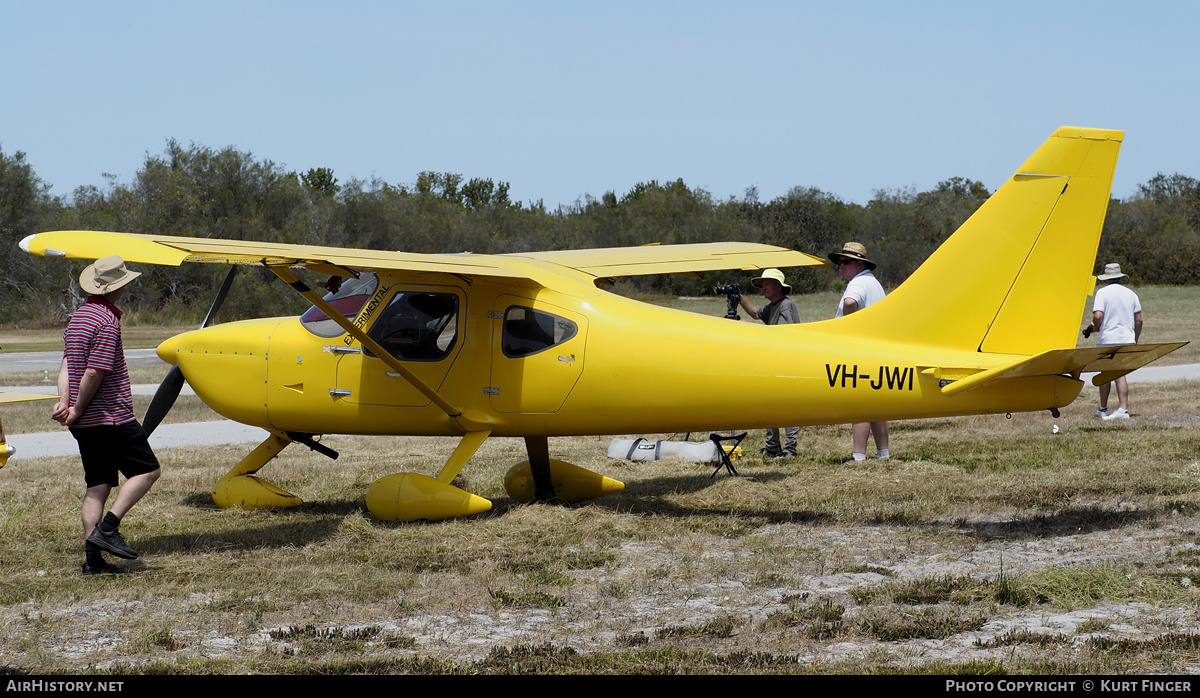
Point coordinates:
[[779, 310]]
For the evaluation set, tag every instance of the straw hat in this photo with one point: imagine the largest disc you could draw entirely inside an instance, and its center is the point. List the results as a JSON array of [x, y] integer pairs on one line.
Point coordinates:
[[106, 275], [852, 250]]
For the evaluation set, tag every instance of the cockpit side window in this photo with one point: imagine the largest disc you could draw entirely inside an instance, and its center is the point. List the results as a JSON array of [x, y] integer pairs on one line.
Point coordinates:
[[417, 326], [349, 300], [528, 331]]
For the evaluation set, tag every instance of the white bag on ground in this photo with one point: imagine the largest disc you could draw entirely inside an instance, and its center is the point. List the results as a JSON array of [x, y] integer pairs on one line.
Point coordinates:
[[641, 449]]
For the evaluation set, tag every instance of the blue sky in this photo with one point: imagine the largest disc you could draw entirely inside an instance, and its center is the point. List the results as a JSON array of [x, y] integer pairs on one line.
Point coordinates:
[[563, 99]]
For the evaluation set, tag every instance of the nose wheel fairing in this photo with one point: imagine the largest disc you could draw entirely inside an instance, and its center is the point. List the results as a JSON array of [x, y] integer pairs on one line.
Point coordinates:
[[239, 488]]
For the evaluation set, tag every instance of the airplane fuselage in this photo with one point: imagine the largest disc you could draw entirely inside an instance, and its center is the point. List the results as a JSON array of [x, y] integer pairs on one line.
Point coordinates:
[[619, 366]]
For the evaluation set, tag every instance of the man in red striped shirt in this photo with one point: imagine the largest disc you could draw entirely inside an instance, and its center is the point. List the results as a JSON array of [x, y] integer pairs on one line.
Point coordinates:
[[97, 404]]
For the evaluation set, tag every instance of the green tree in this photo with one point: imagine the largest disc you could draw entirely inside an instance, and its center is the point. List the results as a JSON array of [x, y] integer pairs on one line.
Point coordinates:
[[321, 179], [901, 229], [29, 288], [1155, 235], [805, 219]]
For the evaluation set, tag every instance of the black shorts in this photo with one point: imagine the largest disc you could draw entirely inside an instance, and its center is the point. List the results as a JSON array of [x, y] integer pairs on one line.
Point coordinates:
[[106, 449]]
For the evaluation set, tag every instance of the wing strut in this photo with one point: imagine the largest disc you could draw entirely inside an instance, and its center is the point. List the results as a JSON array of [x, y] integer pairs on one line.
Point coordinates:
[[313, 297], [471, 441]]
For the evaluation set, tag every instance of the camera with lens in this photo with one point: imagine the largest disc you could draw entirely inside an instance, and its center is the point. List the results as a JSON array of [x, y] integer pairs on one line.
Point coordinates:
[[733, 293]]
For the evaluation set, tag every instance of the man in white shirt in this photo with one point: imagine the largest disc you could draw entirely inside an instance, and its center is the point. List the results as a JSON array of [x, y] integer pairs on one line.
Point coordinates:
[[862, 290], [1116, 320]]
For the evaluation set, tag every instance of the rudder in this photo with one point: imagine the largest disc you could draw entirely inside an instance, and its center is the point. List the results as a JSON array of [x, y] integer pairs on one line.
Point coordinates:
[[1047, 299], [1014, 277]]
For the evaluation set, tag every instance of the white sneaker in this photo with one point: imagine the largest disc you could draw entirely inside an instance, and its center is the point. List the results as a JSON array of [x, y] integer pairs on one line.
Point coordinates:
[[1102, 413], [1121, 413]]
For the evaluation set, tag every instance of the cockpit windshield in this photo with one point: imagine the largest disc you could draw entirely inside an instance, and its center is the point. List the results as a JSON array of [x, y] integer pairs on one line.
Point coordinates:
[[349, 300]]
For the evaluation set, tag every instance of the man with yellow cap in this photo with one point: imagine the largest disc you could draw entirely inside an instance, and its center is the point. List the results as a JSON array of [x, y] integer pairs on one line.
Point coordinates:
[[779, 310], [862, 290], [96, 403]]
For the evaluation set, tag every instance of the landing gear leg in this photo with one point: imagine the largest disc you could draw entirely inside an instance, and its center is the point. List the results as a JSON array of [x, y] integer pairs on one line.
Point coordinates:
[[541, 479], [538, 448]]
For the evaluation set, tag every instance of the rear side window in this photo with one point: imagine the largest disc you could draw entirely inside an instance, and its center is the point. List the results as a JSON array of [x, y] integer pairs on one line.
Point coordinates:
[[417, 326], [348, 300], [528, 331]]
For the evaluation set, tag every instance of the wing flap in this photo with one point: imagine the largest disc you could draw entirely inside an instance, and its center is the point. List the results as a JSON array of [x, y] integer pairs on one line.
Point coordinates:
[[676, 259]]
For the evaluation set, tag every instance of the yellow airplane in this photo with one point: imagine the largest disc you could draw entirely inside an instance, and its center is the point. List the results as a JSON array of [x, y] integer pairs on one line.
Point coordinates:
[[531, 346]]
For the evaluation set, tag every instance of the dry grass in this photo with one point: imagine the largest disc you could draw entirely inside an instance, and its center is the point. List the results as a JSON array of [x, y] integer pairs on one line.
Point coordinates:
[[975, 532], [984, 545], [1170, 316]]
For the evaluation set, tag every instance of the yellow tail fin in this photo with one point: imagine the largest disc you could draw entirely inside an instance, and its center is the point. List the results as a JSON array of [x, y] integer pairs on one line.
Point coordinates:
[[1014, 278]]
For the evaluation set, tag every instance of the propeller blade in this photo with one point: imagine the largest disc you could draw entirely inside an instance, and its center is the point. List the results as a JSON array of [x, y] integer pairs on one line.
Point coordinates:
[[168, 390], [164, 398], [216, 304]]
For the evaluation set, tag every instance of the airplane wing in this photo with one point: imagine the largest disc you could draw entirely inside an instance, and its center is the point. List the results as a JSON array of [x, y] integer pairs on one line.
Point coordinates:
[[1110, 362], [169, 250], [618, 261], [677, 259]]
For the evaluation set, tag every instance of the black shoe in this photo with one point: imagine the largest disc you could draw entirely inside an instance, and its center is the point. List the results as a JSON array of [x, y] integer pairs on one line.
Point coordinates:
[[782, 455], [769, 453], [101, 567], [112, 542]]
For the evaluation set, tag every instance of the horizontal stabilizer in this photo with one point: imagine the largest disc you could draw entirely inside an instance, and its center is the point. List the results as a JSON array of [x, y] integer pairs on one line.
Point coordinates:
[[1110, 362], [24, 397]]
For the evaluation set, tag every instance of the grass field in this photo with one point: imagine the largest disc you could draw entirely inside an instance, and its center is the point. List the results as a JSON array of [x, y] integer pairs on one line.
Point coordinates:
[[985, 544]]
